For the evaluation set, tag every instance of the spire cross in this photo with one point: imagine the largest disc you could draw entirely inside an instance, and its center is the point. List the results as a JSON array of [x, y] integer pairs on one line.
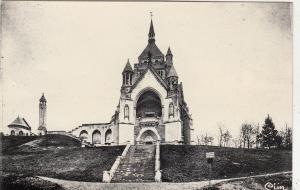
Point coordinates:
[[151, 14]]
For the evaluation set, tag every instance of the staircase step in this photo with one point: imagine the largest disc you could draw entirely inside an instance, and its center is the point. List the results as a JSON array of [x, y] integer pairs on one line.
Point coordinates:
[[137, 166]]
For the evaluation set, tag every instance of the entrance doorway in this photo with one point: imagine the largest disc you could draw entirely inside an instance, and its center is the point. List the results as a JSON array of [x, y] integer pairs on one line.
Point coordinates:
[[148, 137]]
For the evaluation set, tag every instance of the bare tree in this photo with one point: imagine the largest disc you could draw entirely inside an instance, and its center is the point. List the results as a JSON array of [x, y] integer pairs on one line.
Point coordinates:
[[237, 142], [211, 140], [207, 140], [221, 134], [247, 134], [226, 138], [257, 135], [286, 135]]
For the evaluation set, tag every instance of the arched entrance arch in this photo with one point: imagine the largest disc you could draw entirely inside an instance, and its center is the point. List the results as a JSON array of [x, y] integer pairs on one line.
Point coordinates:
[[138, 94], [21, 133], [108, 136], [148, 104], [96, 137], [148, 136]]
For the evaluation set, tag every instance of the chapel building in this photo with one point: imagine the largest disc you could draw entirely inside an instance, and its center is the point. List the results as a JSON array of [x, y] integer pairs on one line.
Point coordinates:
[[151, 106]]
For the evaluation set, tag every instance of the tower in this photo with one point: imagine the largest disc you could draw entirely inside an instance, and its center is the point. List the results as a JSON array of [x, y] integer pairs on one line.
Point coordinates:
[[42, 130], [169, 56], [172, 79], [127, 74]]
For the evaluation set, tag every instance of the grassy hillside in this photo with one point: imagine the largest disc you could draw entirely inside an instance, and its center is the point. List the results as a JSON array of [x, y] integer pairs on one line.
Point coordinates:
[[12, 142], [55, 140], [188, 163], [60, 157]]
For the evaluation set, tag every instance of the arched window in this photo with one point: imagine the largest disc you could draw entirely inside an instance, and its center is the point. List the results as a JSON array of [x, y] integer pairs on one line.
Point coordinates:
[[83, 135], [126, 112], [108, 136], [96, 137], [171, 110], [12, 133], [21, 133]]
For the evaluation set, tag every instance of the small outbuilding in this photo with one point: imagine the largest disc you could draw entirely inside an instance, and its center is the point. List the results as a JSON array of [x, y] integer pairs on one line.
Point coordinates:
[[19, 127]]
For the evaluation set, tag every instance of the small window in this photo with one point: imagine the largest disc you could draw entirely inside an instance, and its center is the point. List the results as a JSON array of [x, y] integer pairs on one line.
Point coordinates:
[[21, 133], [127, 79], [171, 110], [12, 133], [126, 112]]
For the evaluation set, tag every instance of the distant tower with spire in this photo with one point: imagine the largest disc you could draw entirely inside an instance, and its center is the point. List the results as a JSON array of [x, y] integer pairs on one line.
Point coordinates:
[[42, 130]]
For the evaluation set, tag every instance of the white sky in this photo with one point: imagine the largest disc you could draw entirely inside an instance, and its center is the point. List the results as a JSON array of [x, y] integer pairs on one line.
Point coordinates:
[[234, 59]]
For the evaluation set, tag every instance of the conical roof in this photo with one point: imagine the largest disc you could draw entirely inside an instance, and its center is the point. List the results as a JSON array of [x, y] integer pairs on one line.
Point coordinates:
[[19, 122], [169, 51], [127, 67], [152, 49], [151, 30], [151, 34], [43, 99], [172, 72]]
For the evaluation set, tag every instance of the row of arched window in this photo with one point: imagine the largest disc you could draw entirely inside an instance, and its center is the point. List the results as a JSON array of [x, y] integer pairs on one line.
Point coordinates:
[[171, 111], [96, 136], [21, 133]]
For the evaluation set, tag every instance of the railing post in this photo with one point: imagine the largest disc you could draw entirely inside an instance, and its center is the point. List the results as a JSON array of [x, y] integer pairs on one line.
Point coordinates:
[[108, 175], [157, 163]]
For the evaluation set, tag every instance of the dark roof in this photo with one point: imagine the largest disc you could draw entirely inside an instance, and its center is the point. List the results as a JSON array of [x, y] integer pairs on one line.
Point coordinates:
[[127, 67], [151, 34], [151, 29], [169, 51], [172, 72], [152, 49], [43, 99], [20, 122]]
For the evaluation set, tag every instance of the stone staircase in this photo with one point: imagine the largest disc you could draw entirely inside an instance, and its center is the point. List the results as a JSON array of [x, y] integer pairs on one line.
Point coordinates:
[[137, 166]]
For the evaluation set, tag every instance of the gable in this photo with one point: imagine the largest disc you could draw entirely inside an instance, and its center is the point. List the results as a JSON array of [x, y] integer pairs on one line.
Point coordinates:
[[149, 80], [155, 76]]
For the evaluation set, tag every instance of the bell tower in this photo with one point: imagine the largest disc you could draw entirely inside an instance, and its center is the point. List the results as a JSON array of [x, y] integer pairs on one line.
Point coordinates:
[[42, 130]]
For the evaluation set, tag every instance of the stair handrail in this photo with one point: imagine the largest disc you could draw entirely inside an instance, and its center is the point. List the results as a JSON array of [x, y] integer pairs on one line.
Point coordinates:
[[157, 177], [108, 175]]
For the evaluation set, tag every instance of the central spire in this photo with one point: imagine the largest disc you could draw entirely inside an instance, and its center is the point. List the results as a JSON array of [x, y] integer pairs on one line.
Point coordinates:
[[151, 35]]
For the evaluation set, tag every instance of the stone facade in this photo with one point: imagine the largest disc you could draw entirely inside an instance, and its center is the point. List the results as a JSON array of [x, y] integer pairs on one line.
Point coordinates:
[[151, 106]]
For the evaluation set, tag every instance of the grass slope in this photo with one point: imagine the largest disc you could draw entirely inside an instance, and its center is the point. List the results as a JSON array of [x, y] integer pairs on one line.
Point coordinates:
[[55, 140], [12, 142], [60, 157], [186, 163]]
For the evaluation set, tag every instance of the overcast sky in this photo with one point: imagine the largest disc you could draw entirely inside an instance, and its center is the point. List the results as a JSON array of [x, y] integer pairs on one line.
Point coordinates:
[[234, 59]]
